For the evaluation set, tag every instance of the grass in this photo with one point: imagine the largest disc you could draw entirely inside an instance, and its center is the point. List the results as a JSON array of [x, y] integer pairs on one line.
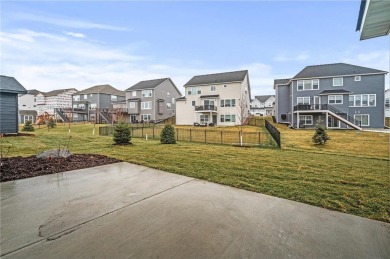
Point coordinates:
[[355, 183]]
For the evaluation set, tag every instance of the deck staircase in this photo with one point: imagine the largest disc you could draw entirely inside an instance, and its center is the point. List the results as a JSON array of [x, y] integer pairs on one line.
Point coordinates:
[[106, 116], [340, 115], [62, 114]]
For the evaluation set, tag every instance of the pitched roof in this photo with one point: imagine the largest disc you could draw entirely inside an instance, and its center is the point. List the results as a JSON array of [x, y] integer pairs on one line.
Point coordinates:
[[27, 112], [147, 84], [281, 81], [33, 92], [227, 77], [335, 91], [337, 69], [57, 92], [102, 89], [11, 85], [263, 98]]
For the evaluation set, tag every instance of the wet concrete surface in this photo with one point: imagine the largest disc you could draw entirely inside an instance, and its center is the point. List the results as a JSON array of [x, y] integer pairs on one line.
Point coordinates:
[[129, 211]]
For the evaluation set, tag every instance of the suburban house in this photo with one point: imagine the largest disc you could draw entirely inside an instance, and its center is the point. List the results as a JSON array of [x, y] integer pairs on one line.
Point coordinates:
[[221, 99], [28, 109], [93, 104], [387, 103], [10, 88], [263, 105], [342, 95], [151, 100], [48, 102]]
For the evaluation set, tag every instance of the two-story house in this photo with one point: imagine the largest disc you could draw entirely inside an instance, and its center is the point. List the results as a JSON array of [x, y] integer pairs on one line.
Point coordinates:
[[222, 99], [93, 104], [341, 95], [49, 101], [28, 109], [263, 105], [151, 100]]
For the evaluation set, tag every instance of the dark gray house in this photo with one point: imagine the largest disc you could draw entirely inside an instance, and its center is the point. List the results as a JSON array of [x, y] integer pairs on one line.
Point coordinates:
[[151, 100], [342, 95], [10, 88], [94, 104]]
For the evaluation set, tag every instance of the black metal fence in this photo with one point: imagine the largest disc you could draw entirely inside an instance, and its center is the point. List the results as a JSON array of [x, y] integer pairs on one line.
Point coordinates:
[[210, 136], [274, 132]]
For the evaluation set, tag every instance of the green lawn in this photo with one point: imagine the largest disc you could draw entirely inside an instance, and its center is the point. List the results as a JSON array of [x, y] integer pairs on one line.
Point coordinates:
[[355, 183]]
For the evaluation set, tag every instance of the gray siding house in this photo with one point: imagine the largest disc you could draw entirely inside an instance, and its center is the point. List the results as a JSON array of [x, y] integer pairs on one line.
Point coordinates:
[[151, 100], [94, 104], [10, 88], [341, 95]]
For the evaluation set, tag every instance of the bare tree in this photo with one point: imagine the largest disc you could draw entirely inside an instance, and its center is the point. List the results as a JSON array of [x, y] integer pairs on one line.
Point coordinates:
[[242, 114]]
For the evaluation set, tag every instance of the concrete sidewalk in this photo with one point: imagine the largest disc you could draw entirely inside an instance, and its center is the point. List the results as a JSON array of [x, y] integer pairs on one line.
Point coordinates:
[[130, 211]]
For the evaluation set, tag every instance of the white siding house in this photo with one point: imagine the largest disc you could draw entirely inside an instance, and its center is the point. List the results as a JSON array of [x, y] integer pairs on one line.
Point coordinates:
[[263, 105]]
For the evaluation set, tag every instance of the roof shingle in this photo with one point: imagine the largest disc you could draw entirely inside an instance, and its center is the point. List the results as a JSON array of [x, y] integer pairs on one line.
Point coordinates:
[[102, 89], [147, 84], [227, 77], [11, 85]]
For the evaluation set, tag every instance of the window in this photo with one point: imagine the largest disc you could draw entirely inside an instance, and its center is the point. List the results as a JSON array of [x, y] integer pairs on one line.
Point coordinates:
[[168, 106], [92, 106], [146, 105], [358, 78], [337, 81], [194, 91], [90, 95], [335, 99], [308, 85], [85, 96], [113, 98], [173, 111], [363, 118], [387, 102], [362, 100], [145, 117], [173, 100], [76, 97], [134, 93], [193, 103], [306, 119], [168, 94], [204, 118], [132, 105], [146, 93], [212, 88], [228, 103], [228, 118], [303, 100]]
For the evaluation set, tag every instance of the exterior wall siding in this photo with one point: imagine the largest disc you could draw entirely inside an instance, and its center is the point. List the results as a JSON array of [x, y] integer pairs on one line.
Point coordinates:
[[8, 113]]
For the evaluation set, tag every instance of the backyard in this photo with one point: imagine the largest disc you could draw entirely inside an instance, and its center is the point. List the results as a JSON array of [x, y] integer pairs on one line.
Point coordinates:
[[349, 174]]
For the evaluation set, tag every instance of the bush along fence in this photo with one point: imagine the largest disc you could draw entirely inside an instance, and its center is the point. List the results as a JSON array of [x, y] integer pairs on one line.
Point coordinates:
[[209, 136], [274, 133]]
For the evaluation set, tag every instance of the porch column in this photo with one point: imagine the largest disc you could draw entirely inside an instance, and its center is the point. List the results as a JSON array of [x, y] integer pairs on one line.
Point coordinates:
[[326, 120], [297, 120]]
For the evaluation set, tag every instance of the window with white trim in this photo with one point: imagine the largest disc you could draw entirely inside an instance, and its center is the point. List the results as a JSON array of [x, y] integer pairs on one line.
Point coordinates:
[[173, 100], [362, 100], [146, 93], [168, 94], [134, 93], [308, 85], [85, 96], [92, 106], [114, 98], [337, 81], [228, 103], [204, 118], [169, 106], [146, 105], [228, 118], [358, 78], [387, 102], [303, 100], [76, 97], [145, 117], [193, 103], [306, 119], [363, 118], [132, 105], [212, 88], [193, 90], [335, 99]]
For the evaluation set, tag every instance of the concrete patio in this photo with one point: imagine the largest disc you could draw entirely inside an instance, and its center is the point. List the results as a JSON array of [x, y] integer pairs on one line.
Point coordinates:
[[129, 211]]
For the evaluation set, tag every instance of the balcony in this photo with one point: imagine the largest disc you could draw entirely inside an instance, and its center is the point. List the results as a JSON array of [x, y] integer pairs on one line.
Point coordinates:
[[206, 108]]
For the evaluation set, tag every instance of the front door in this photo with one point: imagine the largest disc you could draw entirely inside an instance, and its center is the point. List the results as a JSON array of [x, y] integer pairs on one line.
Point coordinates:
[[317, 102], [215, 119], [133, 118]]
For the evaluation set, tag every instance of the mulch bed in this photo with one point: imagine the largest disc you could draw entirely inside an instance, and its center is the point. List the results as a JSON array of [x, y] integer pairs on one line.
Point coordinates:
[[15, 168]]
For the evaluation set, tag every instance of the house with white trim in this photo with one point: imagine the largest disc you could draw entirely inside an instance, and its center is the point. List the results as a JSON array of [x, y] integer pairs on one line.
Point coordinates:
[[221, 99], [263, 105], [341, 95]]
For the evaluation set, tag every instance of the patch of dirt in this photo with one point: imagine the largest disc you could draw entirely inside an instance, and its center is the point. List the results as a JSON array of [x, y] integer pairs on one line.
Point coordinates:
[[15, 168]]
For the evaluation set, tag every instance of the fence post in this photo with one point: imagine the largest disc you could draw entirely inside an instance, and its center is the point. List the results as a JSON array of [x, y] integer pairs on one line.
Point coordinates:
[[205, 136], [190, 135], [142, 132], [153, 132], [221, 137], [177, 134], [259, 139]]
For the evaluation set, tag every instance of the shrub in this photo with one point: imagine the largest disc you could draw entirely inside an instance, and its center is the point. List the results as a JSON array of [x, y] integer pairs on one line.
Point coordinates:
[[28, 126], [320, 135], [168, 135], [51, 123], [122, 134]]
